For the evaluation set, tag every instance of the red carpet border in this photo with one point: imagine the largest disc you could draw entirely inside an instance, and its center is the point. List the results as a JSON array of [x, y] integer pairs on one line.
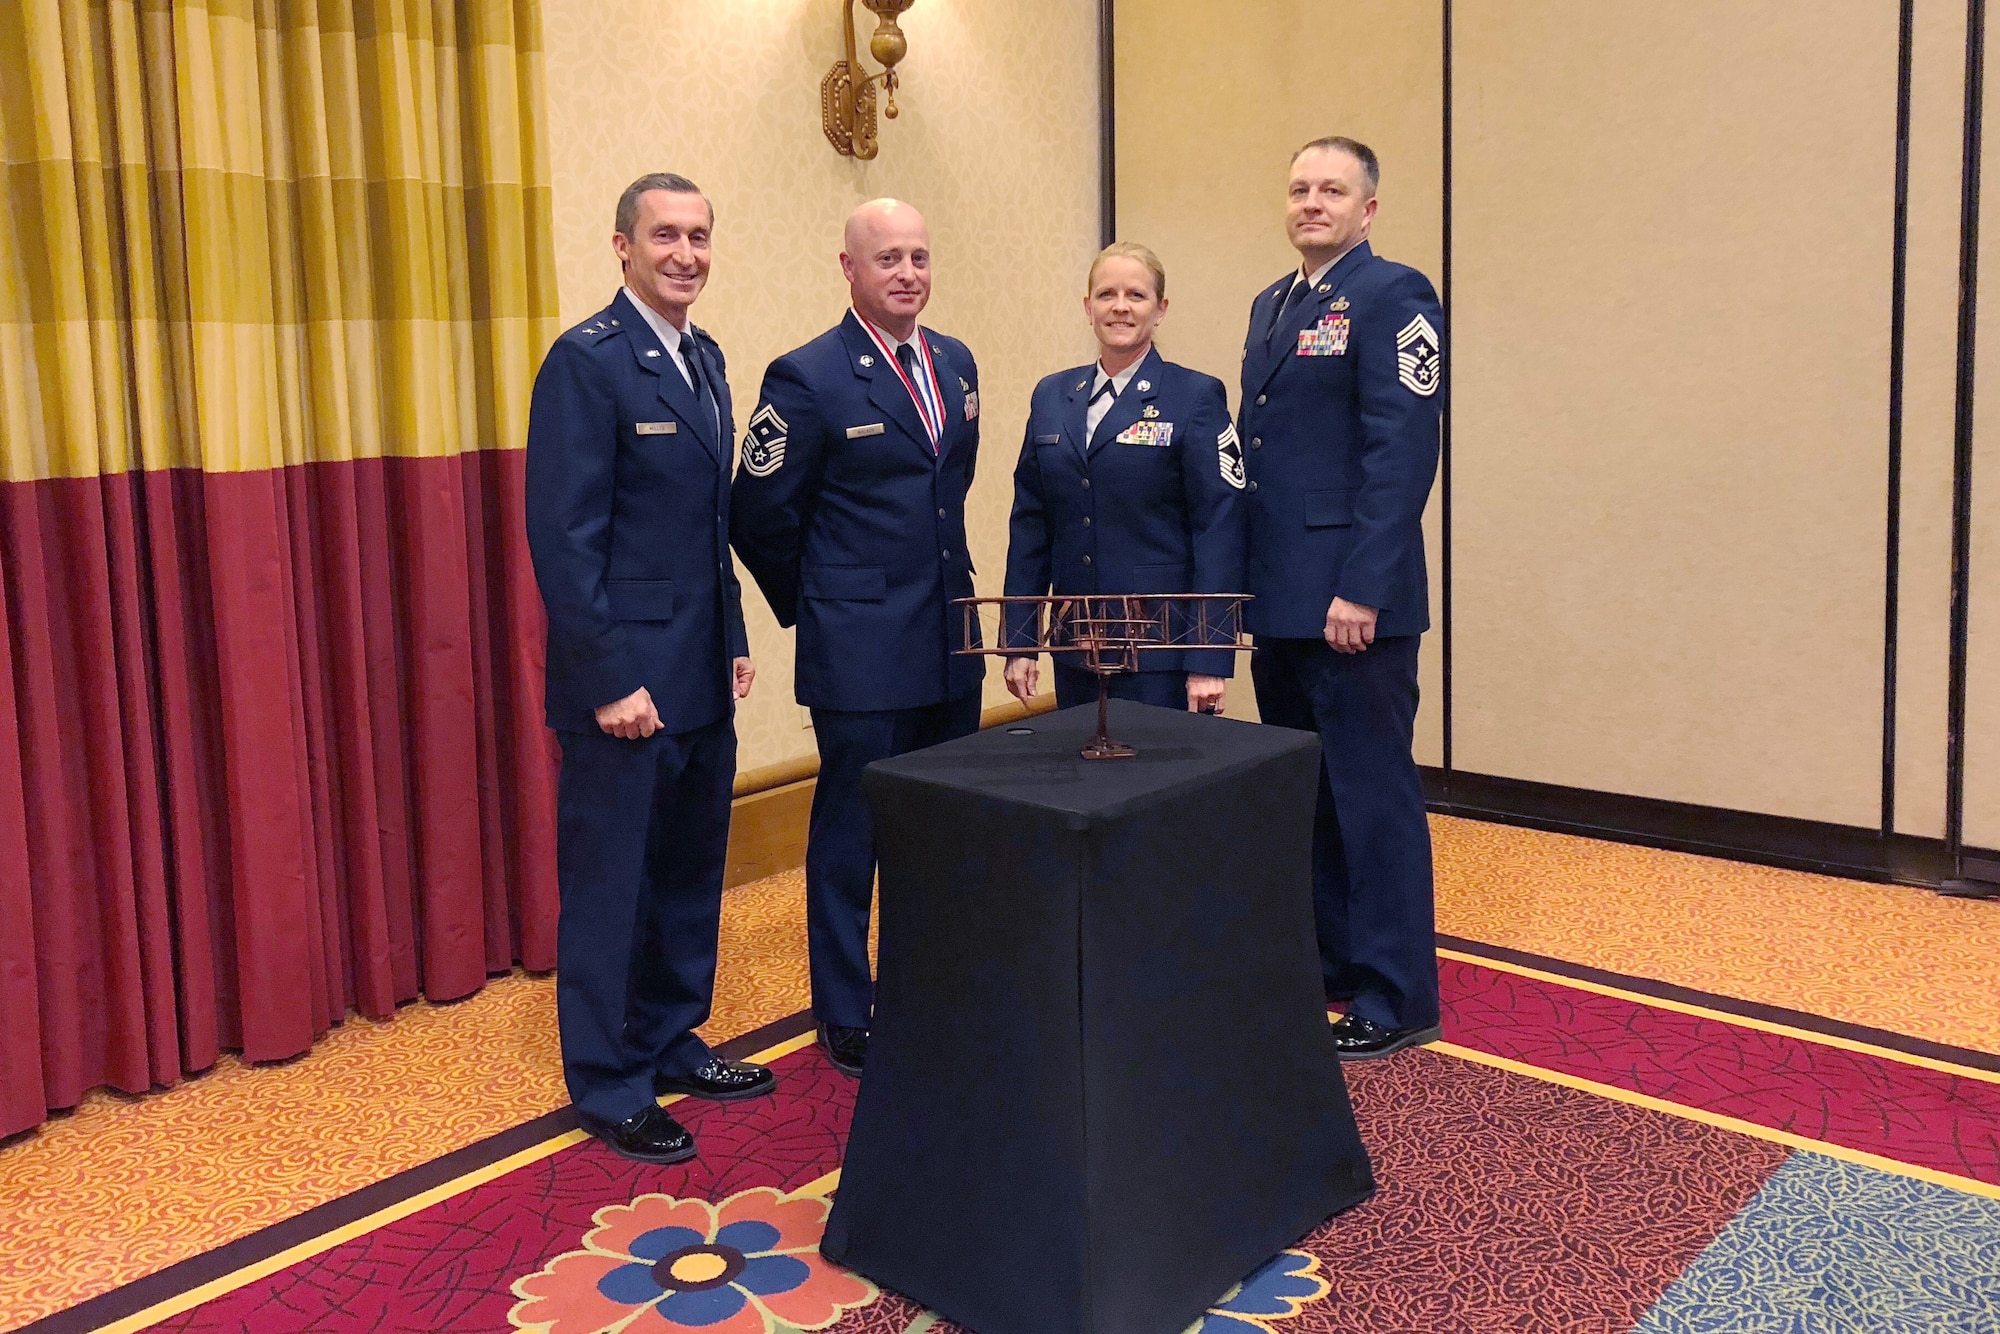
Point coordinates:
[[1508, 1201]]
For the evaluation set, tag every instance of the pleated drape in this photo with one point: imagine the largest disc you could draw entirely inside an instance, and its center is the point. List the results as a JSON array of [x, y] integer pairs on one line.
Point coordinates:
[[274, 278]]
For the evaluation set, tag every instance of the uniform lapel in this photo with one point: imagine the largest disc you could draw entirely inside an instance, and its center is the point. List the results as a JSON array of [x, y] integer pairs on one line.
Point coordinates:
[[674, 390], [1129, 406], [1259, 360], [885, 383], [1076, 403], [1307, 312]]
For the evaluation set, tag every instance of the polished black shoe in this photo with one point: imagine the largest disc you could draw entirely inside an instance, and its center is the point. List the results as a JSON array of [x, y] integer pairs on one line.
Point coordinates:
[[846, 1048], [1358, 1039], [650, 1136], [719, 1081]]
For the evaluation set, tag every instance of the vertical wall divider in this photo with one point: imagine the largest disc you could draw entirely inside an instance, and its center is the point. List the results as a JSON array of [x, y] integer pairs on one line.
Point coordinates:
[[1444, 421], [1107, 125], [1898, 301], [1961, 469]]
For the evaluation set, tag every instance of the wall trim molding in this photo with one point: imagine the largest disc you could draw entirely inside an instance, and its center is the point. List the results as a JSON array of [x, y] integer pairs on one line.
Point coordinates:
[[1851, 851]]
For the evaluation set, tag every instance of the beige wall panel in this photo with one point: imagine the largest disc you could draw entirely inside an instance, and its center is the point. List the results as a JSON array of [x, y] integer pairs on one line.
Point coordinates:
[[1212, 98], [1923, 624], [1982, 694], [1671, 257], [997, 143]]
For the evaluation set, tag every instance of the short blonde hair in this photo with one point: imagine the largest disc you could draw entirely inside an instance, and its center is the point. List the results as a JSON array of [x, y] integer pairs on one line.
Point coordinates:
[[1131, 250]]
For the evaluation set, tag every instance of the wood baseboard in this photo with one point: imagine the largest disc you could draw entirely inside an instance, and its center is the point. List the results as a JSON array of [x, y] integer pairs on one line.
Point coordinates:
[[767, 825]]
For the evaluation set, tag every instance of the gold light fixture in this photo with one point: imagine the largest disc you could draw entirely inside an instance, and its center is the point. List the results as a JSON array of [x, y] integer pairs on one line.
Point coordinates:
[[847, 96]]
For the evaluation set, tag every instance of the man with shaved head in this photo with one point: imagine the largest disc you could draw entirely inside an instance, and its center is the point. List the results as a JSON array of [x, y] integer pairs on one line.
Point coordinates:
[[849, 510]]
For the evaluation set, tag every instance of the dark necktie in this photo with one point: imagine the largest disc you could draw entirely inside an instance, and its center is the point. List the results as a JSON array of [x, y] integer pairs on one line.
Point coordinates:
[[692, 360], [1292, 299], [693, 364], [907, 355]]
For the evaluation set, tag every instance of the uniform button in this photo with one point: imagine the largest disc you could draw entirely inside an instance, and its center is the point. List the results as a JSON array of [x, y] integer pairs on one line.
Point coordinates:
[[1256, 442], [1253, 486], [1086, 560], [1086, 521], [1260, 400], [945, 554], [1086, 484], [940, 514]]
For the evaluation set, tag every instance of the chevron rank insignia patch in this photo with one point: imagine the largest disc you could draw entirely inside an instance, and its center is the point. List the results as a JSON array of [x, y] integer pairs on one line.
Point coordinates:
[[1229, 449], [1419, 359], [1155, 433], [764, 442]]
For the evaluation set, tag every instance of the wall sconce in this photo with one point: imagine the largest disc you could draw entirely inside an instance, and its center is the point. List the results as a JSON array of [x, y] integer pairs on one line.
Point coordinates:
[[847, 97]]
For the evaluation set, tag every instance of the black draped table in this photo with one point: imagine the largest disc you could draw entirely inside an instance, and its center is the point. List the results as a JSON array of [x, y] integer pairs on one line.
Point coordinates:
[[1100, 1086]]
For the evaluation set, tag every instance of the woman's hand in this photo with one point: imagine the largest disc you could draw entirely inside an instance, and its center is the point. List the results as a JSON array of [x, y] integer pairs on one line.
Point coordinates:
[[1022, 676], [1204, 693]]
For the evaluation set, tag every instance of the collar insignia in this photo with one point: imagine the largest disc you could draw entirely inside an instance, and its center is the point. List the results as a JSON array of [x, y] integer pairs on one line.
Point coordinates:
[[866, 361]]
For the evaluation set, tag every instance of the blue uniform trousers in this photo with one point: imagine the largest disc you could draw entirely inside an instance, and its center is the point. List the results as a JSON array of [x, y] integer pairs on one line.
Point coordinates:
[[1075, 686], [642, 833], [1371, 843], [840, 848]]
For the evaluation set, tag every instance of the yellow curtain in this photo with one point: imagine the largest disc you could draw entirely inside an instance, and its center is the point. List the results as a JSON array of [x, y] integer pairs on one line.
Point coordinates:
[[275, 276], [247, 233]]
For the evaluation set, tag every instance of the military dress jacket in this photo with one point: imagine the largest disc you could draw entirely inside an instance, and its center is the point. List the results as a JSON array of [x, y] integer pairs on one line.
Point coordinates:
[[1151, 503], [628, 524], [1339, 420], [854, 525]]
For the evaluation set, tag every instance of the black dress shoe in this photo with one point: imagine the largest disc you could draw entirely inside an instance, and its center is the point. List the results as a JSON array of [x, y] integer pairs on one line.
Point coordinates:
[[846, 1048], [649, 1136], [719, 1081], [1358, 1039]]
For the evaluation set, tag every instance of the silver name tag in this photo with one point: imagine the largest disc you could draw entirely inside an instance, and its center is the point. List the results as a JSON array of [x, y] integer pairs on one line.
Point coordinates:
[[856, 432], [659, 428], [1048, 439]]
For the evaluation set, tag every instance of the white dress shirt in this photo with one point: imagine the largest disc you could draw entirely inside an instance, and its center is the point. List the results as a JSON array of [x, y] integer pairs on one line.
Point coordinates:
[[1094, 415]]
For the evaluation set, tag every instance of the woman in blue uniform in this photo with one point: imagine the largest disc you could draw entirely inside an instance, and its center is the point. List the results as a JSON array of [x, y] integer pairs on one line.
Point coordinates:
[[1130, 481]]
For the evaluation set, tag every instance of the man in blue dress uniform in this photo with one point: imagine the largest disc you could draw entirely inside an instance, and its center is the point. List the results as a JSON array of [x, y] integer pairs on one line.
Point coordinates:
[[849, 511], [628, 504], [1342, 375]]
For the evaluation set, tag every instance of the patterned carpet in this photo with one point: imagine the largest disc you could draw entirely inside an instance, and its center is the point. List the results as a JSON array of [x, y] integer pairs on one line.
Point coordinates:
[[89, 1206], [1571, 1158]]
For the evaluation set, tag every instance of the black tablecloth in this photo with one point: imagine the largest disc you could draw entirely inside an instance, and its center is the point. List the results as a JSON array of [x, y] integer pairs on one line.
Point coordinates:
[[1100, 1088]]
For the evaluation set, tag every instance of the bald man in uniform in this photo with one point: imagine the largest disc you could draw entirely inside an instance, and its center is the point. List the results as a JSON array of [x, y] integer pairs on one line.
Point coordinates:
[[849, 511]]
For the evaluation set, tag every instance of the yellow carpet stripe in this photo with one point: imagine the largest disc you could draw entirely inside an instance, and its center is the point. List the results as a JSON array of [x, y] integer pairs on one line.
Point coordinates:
[[228, 1283], [1724, 1017], [1741, 1127]]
